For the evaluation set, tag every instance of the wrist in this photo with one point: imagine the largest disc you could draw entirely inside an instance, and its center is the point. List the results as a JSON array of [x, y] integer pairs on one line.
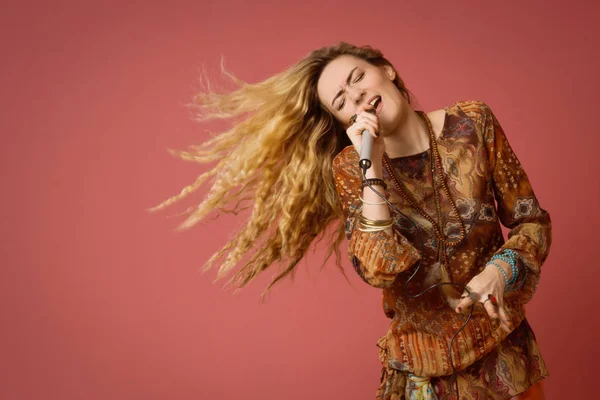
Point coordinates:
[[501, 272], [507, 259], [374, 172], [498, 274], [505, 267]]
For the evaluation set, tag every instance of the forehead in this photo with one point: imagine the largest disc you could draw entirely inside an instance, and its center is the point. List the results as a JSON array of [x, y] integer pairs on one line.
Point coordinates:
[[335, 73]]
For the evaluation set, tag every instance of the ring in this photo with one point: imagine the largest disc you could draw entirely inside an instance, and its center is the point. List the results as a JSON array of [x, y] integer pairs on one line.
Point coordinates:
[[353, 119], [472, 296], [492, 298]]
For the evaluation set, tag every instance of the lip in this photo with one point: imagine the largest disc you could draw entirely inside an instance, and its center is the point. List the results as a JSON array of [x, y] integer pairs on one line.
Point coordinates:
[[379, 106], [372, 98]]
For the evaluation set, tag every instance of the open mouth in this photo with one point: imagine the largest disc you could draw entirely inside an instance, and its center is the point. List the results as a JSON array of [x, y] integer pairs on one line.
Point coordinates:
[[375, 102]]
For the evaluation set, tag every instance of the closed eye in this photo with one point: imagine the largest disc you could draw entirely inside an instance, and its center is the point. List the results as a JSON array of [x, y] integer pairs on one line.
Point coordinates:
[[358, 78]]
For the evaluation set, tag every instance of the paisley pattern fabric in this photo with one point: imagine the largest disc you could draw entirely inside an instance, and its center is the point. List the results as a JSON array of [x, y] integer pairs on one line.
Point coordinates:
[[489, 187], [513, 367]]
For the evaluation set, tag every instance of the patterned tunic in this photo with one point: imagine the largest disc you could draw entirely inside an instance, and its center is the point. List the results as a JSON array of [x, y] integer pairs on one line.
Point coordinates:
[[481, 170]]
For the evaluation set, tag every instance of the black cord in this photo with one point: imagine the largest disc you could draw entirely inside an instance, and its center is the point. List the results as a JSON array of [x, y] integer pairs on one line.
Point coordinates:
[[414, 296]]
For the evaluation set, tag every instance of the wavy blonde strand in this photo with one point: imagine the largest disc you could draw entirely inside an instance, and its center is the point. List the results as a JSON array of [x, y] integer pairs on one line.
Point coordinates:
[[276, 161]]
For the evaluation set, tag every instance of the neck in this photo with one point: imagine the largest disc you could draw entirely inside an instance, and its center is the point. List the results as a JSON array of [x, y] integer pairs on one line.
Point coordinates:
[[410, 138]]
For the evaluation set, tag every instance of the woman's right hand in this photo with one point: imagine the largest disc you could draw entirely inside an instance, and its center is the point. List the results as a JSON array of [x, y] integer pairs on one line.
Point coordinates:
[[366, 120], [373, 207]]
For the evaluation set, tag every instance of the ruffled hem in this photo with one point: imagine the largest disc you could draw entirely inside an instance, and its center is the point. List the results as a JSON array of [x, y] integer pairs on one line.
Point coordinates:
[[511, 368]]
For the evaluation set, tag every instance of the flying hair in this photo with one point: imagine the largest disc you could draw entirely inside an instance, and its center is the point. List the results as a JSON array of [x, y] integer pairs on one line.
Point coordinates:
[[277, 160]]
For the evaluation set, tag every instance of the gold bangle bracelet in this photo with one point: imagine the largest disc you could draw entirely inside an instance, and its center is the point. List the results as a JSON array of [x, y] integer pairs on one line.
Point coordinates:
[[373, 222], [363, 218], [376, 225], [368, 202], [374, 229]]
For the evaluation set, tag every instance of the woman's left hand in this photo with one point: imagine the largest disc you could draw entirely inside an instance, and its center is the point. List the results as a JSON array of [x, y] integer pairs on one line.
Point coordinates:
[[489, 282]]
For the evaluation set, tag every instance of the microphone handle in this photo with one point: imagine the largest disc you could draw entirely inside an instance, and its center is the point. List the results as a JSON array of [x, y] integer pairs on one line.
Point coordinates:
[[366, 150]]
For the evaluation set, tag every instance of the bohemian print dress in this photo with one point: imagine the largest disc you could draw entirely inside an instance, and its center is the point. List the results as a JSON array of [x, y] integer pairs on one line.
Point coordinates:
[[488, 186]]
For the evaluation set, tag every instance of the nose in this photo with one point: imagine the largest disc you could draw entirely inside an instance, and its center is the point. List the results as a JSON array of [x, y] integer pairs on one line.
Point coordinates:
[[357, 95]]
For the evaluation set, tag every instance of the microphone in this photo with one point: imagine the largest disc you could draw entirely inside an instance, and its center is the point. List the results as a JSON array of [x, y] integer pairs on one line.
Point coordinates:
[[366, 148]]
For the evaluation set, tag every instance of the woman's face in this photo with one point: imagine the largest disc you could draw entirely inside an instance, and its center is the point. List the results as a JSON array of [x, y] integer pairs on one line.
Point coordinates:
[[349, 84]]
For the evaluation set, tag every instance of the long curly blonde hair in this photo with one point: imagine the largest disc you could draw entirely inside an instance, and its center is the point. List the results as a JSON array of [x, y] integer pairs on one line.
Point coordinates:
[[276, 158]]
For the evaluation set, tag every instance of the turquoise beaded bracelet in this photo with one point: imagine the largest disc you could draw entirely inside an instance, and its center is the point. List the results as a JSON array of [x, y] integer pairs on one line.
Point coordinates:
[[513, 263], [510, 257], [512, 266]]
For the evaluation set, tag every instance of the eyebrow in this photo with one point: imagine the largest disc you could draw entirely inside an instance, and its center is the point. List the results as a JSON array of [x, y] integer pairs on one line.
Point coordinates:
[[347, 83]]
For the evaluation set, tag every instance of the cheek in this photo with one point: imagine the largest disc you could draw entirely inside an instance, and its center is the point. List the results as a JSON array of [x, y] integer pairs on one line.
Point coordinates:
[[344, 119], [379, 80], [340, 117], [394, 97]]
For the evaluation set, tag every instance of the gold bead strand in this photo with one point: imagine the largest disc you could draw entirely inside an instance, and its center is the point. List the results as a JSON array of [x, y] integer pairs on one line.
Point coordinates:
[[440, 174], [437, 226]]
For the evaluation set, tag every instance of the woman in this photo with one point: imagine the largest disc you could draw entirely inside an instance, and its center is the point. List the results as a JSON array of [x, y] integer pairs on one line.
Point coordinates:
[[422, 223]]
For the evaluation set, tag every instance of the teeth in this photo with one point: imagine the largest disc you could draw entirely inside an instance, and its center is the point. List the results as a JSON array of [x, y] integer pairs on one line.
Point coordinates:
[[374, 101]]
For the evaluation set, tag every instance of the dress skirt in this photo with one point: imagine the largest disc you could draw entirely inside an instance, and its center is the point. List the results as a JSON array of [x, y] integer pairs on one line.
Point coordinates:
[[513, 367]]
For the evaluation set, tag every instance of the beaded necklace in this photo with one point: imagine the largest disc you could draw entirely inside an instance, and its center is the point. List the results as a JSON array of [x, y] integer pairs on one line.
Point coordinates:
[[436, 169]]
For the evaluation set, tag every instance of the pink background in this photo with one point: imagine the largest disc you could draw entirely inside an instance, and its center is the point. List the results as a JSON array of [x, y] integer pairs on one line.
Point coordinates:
[[101, 300]]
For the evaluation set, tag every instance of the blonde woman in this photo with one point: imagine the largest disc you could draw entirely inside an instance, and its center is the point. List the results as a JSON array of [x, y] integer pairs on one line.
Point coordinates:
[[422, 223]]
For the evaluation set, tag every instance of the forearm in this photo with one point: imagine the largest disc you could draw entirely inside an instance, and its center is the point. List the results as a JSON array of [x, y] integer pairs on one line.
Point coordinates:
[[374, 207], [378, 256], [518, 208]]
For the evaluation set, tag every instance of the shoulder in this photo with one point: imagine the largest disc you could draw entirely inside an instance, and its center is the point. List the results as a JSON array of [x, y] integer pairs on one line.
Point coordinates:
[[460, 113], [475, 114], [474, 109], [468, 120]]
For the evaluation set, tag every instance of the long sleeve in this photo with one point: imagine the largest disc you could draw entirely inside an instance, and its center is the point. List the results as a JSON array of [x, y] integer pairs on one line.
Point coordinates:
[[376, 256], [518, 208]]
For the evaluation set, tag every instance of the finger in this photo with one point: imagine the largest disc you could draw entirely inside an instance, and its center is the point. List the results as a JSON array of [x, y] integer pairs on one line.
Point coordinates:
[[352, 120], [365, 108], [491, 309], [362, 112], [374, 123], [369, 116], [373, 129], [362, 125], [467, 300], [355, 134], [506, 325]]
